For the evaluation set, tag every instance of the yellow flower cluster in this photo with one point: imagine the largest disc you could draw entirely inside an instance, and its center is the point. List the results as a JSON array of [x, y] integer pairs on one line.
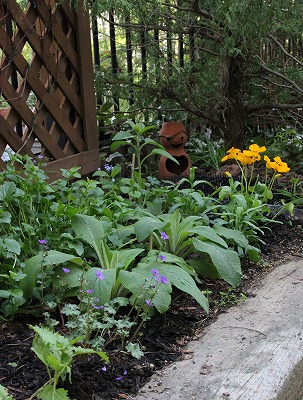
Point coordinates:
[[250, 156]]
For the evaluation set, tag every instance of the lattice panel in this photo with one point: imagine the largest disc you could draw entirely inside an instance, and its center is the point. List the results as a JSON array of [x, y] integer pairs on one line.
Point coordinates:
[[47, 101]]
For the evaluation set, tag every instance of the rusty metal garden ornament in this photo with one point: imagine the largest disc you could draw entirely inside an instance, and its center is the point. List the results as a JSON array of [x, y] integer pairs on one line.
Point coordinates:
[[173, 136]]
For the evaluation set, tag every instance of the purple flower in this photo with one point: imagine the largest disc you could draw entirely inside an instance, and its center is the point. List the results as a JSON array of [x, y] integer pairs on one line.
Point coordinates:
[[104, 368], [149, 303], [100, 275], [155, 272], [164, 280], [161, 279], [108, 167], [97, 307], [125, 372], [65, 270], [164, 236], [118, 378], [162, 257], [42, 241], [89, 291]]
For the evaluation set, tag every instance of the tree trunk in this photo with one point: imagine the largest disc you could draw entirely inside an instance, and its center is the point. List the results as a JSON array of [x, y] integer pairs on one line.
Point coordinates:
[[233, 116]]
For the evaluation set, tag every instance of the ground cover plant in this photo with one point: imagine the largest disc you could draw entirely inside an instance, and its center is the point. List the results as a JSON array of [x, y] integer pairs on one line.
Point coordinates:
[[95, 259]]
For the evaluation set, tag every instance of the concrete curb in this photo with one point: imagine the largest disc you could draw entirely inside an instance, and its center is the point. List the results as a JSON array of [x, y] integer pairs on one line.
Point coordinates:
[[253, 352]]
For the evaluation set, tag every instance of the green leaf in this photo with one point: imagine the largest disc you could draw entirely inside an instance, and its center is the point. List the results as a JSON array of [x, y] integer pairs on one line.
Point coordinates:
[[68, 280], [91, 230], [5, 294], [48, 392], [12, 246], [5, 217], [209, 234], [123, 135], [102, 288], [145, 226], [6, 190], [226, 261], [135, 282], [115, 145], [34, 265], [134, 350], [165, 154], [232, 234], [183, 281]]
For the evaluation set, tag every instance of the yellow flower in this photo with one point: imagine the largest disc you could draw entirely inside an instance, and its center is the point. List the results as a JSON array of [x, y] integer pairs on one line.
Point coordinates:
[[269, 164], [256, 148], [231, 154], [251, 156], [277, 165], [281, 166], [228, 174]]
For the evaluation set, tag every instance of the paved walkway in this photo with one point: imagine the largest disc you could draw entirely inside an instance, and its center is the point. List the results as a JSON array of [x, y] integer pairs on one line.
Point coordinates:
[[249, 353]]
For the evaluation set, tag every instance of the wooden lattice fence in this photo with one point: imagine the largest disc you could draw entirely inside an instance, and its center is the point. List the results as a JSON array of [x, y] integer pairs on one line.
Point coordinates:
[[47, 99]]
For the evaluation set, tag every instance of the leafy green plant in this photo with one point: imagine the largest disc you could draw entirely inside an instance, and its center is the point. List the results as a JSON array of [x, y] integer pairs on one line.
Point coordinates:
[[136, 140], [57, 353], [189, 236], [4, 395]]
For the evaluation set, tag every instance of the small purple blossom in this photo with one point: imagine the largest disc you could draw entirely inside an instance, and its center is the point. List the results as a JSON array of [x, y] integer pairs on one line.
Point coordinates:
[[108, 167], [149, 303], [100, 275], [97, 307], [118, 378], [89, 291], [162, 257], [125, 372], [164, 236], [104, 369], [155, 272], [42, 241], [161, 279], [65, 270]]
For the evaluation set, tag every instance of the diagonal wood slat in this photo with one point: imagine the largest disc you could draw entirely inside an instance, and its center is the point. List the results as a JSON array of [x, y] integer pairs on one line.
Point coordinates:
[[51, 109]]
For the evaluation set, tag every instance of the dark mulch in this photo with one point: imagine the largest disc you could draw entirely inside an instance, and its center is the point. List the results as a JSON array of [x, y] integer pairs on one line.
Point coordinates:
[[164, 338]]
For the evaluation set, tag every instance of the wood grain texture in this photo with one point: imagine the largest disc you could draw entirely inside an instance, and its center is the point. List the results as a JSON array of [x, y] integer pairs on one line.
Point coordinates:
[[249, 353]]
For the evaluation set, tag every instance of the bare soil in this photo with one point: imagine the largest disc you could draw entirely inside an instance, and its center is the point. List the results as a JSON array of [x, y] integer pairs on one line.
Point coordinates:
[[163, 339]]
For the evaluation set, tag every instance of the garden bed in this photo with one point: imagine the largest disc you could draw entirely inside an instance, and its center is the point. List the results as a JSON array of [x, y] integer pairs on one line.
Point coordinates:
[[163, 339]]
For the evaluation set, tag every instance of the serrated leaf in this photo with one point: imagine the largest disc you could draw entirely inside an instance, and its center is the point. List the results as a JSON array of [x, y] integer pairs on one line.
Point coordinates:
[[48, 392]]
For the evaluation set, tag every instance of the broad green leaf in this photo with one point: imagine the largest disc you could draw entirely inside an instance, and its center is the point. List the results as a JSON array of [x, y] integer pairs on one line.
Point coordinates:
[[6, 190], [123, 135], [68, 280], [183, 281], [226, 261], [209, 234], [126, 256], [102, 288], [232, 234], [136, 281], [5, 294], [146, 225], [12, 246], [5, 217], [91, 230], [33, 267], [115, 145]]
